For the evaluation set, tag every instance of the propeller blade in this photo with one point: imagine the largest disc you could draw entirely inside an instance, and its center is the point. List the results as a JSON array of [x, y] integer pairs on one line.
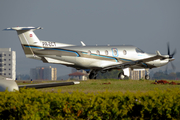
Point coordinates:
[[168, 48], [173, 53], [166, 72], [174, 68], [169, 53]]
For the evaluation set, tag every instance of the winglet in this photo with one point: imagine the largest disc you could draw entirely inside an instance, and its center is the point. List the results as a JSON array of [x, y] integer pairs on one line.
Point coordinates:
[[158, 53], [83, 43]]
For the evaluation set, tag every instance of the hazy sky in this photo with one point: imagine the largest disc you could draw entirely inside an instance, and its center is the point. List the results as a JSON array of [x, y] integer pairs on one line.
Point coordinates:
[[147, 24]]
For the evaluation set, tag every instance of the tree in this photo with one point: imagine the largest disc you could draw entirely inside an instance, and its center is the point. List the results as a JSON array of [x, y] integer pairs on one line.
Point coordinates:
[[109, 75], [164, 75]]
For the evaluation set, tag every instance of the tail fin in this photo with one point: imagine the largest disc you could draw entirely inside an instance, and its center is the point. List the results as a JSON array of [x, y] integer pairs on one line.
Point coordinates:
[[28, 39]]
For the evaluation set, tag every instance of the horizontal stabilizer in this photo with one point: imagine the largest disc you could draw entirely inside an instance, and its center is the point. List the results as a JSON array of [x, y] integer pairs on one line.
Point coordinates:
[[23, 28]]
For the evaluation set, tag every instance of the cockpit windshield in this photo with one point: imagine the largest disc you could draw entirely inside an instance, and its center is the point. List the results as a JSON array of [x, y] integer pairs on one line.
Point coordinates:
[[139, 50]]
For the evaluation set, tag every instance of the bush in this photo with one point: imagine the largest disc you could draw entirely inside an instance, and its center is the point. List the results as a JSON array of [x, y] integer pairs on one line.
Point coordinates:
[[33, 104]]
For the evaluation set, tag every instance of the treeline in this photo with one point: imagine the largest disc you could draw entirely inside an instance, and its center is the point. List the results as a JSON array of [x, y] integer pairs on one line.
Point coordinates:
[[164, 75], [157, 75], [22, 77], [109, 75]]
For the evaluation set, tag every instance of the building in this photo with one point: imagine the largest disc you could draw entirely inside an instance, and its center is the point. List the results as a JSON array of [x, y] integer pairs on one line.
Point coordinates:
[[8, 63], [43, 73], [78, 76], [137, 74]]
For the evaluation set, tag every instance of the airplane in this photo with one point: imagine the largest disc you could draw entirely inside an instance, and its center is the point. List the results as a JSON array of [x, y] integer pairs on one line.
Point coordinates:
[[11, 85], [93, 59]]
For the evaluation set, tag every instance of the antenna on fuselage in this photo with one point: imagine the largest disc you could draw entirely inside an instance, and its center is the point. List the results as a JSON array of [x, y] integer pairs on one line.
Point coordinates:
[[83, 43]]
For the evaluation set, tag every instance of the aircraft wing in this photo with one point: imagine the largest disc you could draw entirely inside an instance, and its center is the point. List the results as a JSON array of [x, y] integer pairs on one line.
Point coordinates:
[[131, 63], [11, 85], [46, 85]]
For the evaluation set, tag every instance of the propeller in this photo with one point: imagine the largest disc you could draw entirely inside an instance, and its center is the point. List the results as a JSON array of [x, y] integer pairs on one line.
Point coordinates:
[[170, 57]]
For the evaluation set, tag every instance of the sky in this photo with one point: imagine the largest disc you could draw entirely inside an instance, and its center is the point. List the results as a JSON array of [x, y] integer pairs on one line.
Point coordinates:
[[147, 24]]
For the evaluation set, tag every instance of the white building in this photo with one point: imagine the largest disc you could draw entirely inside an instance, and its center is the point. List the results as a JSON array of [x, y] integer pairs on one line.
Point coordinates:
[[8, 63], [135, 74], [138, 74]]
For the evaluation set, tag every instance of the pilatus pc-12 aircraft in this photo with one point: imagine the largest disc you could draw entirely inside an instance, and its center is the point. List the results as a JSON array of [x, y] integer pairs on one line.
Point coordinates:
[[90, 58]]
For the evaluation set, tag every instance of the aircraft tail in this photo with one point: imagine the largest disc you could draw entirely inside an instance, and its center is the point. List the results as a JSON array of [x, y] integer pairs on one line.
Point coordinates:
[[28, 39]]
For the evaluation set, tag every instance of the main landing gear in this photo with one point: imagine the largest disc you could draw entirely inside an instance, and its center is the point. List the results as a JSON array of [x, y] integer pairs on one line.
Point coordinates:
[[93, 74], [121, 76]]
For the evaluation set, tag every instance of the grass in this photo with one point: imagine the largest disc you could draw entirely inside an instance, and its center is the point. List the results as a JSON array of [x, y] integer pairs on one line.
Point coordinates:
[[111, 85]]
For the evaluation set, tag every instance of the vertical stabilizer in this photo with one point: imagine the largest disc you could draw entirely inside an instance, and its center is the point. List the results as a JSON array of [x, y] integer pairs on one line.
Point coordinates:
[[28, 39]]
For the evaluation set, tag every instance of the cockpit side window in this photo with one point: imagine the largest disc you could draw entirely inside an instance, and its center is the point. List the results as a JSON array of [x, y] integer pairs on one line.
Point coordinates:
[[139, 50]]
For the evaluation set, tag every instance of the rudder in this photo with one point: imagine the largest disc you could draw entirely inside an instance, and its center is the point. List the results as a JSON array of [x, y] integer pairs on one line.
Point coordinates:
[[28, 39]]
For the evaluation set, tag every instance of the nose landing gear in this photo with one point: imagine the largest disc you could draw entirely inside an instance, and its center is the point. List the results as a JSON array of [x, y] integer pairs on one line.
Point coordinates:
[[147, 77]]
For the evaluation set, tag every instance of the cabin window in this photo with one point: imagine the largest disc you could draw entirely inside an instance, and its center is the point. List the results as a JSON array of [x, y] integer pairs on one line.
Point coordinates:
[[106, 52], [98, 52], [114, 52], [139, 50]]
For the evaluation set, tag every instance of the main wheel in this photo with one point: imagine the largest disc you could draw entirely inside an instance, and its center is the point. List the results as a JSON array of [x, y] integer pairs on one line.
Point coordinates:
[[147, 77], [121, 76], [92, 75]]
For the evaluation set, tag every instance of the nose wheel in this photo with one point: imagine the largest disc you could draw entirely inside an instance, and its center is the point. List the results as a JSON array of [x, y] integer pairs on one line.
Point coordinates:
[[147, 77]]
